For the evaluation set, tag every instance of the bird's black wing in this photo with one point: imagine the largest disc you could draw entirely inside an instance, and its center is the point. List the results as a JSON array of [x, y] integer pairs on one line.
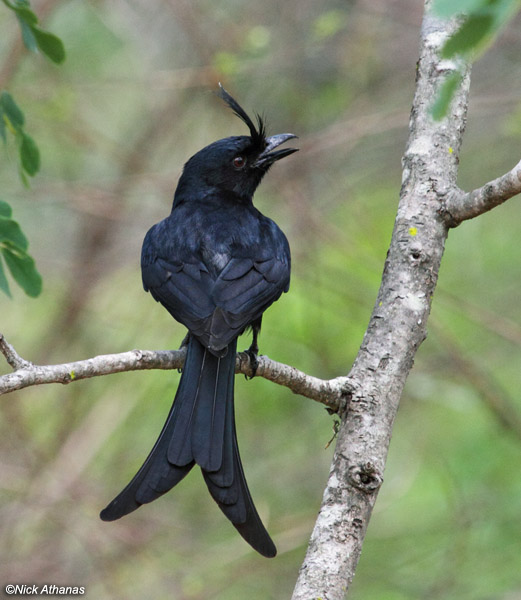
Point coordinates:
[[217, 310], [184, 288], [244, 290]]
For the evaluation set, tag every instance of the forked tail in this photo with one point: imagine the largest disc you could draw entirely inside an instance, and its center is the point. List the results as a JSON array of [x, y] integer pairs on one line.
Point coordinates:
[[200, 429]]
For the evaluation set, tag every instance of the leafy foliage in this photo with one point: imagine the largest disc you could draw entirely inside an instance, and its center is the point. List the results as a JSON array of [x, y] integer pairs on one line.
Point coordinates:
[[13, 119], [13, 248], [13, 243], [33, 36], [481, 23]]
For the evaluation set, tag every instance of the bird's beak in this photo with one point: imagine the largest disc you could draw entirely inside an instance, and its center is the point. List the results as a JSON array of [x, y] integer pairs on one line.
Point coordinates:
[[267, 157]]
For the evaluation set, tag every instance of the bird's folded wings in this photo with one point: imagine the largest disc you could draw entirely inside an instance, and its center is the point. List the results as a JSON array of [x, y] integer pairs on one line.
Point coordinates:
[[217, 310]]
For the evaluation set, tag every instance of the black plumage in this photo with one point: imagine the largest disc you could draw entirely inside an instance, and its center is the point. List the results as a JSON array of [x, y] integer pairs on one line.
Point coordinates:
[[216, 264]]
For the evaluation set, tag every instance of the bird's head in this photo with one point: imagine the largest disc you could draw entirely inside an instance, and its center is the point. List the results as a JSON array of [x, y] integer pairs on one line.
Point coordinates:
[[235, 164]]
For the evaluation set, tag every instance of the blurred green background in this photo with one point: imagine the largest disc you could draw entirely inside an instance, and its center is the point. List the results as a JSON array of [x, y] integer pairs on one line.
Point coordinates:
[[114, 124]]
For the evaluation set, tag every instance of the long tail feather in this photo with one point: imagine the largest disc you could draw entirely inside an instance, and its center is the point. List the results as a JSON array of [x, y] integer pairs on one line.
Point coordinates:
[[200, 429]]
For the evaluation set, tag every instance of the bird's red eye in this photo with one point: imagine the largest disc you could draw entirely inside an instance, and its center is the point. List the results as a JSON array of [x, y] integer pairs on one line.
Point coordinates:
[[239, 162]]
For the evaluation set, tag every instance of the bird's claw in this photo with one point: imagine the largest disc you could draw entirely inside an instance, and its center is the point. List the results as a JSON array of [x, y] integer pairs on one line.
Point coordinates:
[[254, 361]]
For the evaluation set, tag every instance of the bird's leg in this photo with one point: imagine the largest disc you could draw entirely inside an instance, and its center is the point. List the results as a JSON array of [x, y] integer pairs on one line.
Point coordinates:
[[253, 350]]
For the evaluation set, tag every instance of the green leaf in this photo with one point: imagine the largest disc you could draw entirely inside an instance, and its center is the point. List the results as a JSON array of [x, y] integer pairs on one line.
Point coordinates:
[[49, 44], [10, 231], [4, 286], [11, 110], [451, 8], [35, 37], [484, 19], [482, 24], [29, 154], [23, 269], [13, 246], [5, 209], [469, 36], [441, 105], [28, 36], [26, 14]]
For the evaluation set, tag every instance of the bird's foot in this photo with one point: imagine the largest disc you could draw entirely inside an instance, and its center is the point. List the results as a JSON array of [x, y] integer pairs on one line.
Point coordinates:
[[252, 353]]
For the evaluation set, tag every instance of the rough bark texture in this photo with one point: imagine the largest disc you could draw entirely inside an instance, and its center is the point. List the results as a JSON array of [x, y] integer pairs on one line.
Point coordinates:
[[396, 330]]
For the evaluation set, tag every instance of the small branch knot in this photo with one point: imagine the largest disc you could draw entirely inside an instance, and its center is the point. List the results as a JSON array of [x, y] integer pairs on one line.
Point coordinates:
[[365, 477]]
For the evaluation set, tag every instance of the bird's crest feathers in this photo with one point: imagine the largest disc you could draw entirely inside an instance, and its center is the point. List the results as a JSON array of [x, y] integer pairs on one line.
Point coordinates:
[[257, 132]]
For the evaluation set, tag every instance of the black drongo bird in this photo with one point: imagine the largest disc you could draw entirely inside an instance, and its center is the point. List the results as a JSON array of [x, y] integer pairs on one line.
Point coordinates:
[[216, 264]]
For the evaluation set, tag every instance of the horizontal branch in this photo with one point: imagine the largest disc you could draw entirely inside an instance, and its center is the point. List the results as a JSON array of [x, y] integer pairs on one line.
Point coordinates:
[[461, 206], [332, 393]]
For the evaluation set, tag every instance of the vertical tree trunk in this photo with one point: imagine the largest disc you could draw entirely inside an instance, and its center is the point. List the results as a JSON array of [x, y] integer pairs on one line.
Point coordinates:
[[396, 329]]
